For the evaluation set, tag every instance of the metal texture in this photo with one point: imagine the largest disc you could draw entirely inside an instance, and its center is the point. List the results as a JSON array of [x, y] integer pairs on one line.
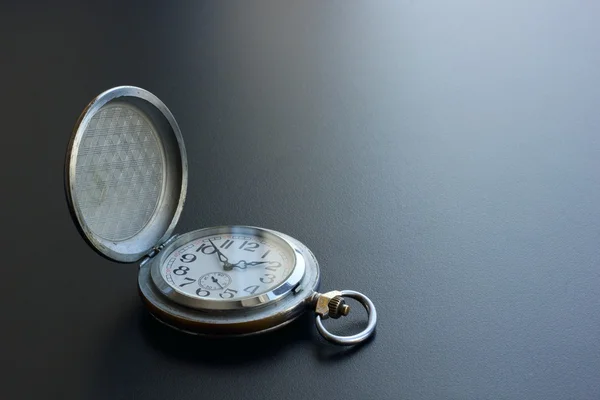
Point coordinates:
[[322, 301], [338, 307], [126, 173], [274, 294], [156, 250], [233, 322], [353, 339]]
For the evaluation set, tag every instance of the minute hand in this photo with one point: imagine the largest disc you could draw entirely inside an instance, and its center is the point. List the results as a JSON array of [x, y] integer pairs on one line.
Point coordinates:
[[243, 264]]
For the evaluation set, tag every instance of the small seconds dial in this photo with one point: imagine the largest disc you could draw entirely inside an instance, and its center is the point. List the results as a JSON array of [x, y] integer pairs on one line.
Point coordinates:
[[214, 281], [228, 266]]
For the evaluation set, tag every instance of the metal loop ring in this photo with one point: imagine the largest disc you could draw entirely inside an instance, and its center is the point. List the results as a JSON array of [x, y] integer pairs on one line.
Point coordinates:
[[359, 337]]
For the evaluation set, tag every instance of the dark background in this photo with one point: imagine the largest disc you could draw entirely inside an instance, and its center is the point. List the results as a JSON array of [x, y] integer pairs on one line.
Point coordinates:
[[441, 157]]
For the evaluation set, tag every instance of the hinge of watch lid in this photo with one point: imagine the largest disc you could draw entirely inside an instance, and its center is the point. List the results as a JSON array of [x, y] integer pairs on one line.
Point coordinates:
[[156, 249]]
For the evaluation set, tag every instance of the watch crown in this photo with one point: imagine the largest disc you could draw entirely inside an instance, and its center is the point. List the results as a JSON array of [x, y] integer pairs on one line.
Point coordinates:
[[338, 307]]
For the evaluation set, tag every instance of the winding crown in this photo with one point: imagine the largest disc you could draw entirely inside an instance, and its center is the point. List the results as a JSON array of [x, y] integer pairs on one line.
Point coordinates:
[[338, 307]]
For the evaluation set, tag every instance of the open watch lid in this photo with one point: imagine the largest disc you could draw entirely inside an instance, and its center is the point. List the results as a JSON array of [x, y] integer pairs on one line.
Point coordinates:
[[126, 173]]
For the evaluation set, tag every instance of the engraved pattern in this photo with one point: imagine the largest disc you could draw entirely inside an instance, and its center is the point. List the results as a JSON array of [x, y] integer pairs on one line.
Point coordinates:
[[119, 173]]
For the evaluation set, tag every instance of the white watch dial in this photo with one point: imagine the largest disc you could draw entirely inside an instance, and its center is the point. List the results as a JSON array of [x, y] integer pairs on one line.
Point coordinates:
[[228, 266]]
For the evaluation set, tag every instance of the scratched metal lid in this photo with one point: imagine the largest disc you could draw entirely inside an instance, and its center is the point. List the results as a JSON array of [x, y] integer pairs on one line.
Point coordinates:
[[126, 173]]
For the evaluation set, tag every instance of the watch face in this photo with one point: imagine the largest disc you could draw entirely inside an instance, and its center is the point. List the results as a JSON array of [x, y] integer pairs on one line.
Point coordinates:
[[230, 266]]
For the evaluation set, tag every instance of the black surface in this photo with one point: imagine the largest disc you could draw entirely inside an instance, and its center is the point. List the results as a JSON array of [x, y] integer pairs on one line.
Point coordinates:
[[441, 157]]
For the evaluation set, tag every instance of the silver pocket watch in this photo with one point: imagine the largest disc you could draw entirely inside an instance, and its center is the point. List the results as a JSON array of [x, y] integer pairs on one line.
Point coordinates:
[[126, 182]]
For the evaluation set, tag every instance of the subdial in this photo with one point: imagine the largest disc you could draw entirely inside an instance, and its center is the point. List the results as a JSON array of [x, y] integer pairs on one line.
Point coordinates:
[[214, 281]]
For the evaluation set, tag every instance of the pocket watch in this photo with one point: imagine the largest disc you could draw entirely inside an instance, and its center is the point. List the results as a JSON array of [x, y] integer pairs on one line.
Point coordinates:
[[126, 182]]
